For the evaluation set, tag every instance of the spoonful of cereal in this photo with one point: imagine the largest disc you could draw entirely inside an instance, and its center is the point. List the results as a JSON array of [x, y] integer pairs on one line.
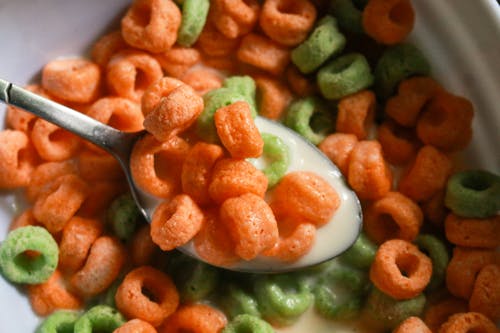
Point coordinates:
[[218, 182]]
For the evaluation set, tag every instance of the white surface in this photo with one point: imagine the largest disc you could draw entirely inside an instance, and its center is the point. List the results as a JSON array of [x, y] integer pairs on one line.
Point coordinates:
[[460, 37]]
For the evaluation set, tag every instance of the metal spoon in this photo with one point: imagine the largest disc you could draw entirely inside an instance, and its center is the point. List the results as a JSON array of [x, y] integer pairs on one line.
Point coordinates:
[[331, 240]]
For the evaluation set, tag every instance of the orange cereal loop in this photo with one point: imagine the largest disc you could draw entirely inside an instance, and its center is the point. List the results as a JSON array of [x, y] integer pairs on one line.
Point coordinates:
[[485, 297], [235, 17], [426, 175], [52, 295], [72, 80], [95, 166], [234, 177], [400, 270], [213, 242], [202, 80], [306, 197], [71, 190], [174, 113], [21, 120], [272, 97], [197, 170], [468, 322], [300, 84], [434, 209], [436, 314], [446, 122], [356, 114], [53, 143], [24, 219], [156, 91], [156, 166], [106, 46], [117, 112], [77, 238], [130, 73], [399, 144], [468, 232], [413, 94], [136, 326], [147, 294], [287, 21], [175, 222], [213, 43], [251, 224], [17, 159], [195, 318], [151, 25], [263, 53], [100, 196], [388, 21], [142, 247], [228, 63], [464, 266], [368, 173], [237, 131], [45, 173], [338, 147], [412, 325], [103, 265], [295, 240], [392, 216], [177, 60]]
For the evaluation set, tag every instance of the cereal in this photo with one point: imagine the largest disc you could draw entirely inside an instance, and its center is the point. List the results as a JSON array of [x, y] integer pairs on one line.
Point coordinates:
[[24, 219], [470, 232], [338, 147], [238, 302], [272, 97], [400, 144], [202, 80], [485, 295], [299, 84], [21, 120], [106, 46], [196, 318], [178, 60], [98, 166], [213, 43], [348, 15], [175, 222], [247, 322], [467, 322], [438, 253], [400, 270], [99, 318], [123, 216], [142, 247], [438, 313], [160, 301], [45, 173], [277, 155], [17, 159], [245, 86], [235, 18], [412, 325], [59, 321], [151, 25], [72, 80], [194, 16], [361, 253], [356, 114], [117, 112], [135, 326], [53, 143]]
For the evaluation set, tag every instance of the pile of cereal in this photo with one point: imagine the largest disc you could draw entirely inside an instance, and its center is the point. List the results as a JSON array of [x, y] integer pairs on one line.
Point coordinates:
[[194, 74]]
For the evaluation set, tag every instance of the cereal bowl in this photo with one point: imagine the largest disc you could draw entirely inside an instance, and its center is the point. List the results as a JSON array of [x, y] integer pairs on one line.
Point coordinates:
[[458, 39]]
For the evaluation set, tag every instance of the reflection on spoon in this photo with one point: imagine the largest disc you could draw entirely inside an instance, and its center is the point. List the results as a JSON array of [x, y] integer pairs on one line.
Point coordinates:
[[331, 239]]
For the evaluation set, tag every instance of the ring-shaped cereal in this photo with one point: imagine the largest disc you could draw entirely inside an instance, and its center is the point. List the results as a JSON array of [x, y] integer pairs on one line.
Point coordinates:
[[53, 143], [58, 321], [133, 303], [151, 25], [361, 253], [175, 222], [468, 322], [213, 43], [17, 266], [485, 295], [272, 97], [195, 318], [344, 75], [470, 232], [106, 46], [349, 15], [156, 92], [117, 112], [235, 17], [178, 60], [392, 216], [202, 80], [338, 147], [17, 159], [156, 166], [400, 270], [45, 173], [136, 326], [194, 16], [438, 313], [277, 155], [19, 119], [287, 21], [438, 253], [99, 318], [412, 325], [400, 144], [130, 73], [248, 323], [356, 114], [244, 85]]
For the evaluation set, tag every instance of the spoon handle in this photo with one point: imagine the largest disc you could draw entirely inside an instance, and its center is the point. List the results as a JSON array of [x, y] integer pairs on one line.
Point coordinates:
[[116, 142]]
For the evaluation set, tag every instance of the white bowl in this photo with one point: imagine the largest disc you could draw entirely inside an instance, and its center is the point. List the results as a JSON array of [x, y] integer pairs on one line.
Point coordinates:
[[460, 38]]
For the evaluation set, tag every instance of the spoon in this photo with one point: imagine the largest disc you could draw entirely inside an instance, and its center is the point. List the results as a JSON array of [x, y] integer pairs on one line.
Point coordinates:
[[331, 239]]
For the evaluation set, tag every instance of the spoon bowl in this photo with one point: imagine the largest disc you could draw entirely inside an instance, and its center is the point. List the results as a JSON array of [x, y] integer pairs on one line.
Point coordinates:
[[331, 239]]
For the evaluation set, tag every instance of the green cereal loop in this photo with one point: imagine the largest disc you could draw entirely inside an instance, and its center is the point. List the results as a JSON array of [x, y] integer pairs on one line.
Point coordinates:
[[245, 86], [339, 293], [123, 215], [389, 312], [278, 154], [246, 323], [348, 15], [361, 253], [324, 42], [396, 64], [62, 321], [282, 298], [473, 194], [438, 253], [344, 75], [237, 301], [100, 318], [16, 267], [194, 16], [300, 115], [214, 100]]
